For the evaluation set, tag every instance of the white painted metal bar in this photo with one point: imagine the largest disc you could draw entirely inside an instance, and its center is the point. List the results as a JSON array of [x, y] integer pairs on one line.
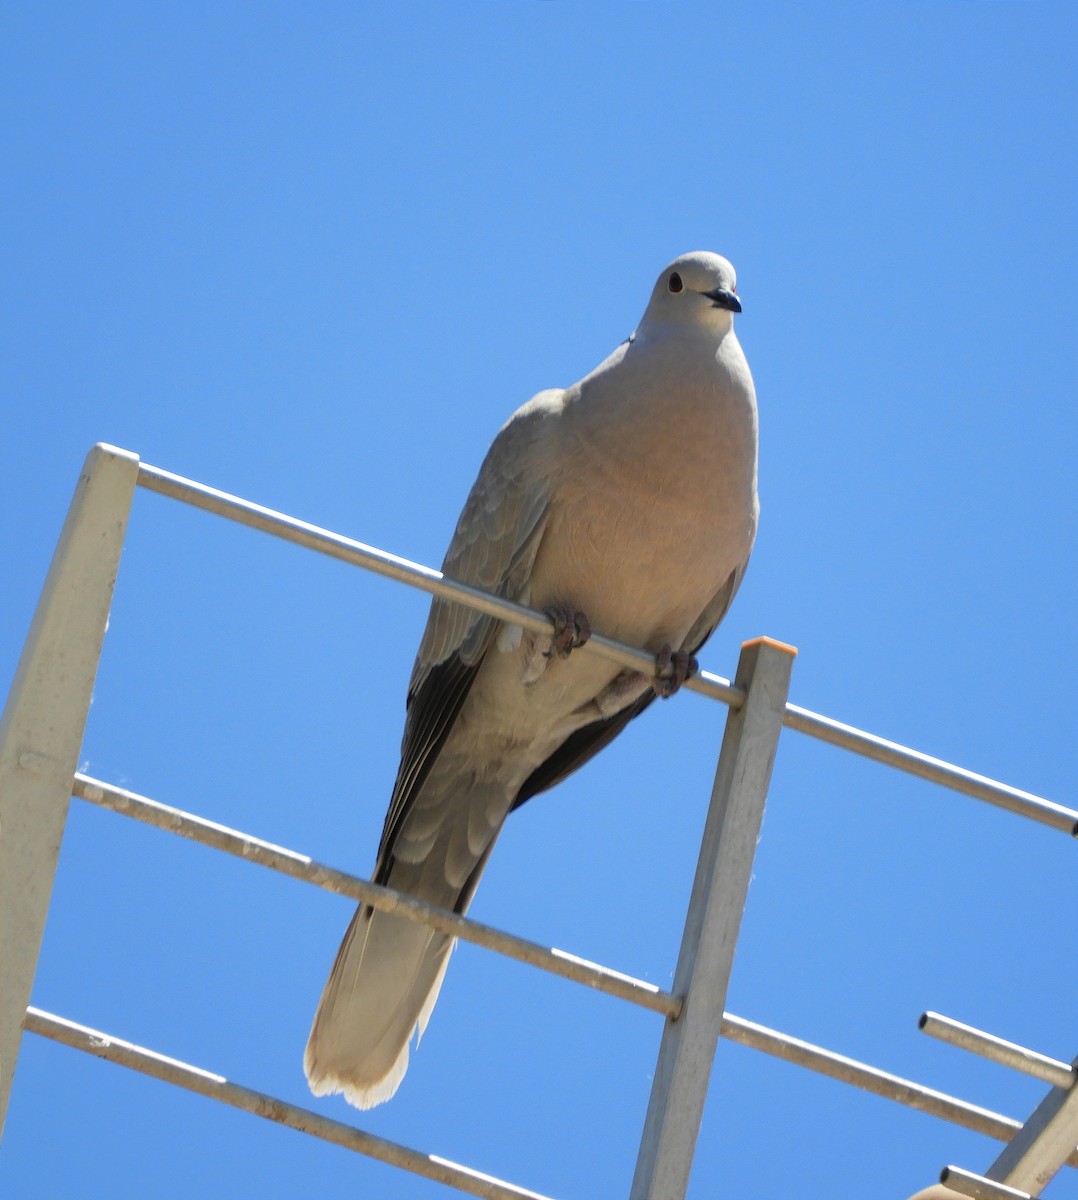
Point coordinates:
[[713, 922], [646, 995], [1044, 1144], [979, 1187], [300, 866], [205, 1083], [314, 537], [43, 722], [1008, 1054], [826, 729]]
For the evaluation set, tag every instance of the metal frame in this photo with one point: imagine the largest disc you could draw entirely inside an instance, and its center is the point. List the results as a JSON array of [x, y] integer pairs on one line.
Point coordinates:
[[40, 739]]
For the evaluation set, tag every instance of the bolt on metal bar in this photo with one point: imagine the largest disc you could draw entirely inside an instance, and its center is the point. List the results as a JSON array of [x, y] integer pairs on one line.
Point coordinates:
[[902, 758], [314, 537], [977, 1186], [1008, 1054], [216, 1087], [300, 866], [558, 962]]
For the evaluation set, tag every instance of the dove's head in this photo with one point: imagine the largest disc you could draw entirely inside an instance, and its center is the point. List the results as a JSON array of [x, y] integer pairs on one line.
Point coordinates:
[[700, 287]]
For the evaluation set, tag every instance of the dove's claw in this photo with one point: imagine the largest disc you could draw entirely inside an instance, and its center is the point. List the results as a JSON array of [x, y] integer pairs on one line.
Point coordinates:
[[672, 668], [571, 630]]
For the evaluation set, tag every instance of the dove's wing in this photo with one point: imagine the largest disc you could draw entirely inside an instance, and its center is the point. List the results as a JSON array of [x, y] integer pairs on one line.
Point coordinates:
[[493, 548]]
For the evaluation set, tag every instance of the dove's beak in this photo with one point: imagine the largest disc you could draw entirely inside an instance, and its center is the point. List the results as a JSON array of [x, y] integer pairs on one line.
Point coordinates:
[[724, 298]]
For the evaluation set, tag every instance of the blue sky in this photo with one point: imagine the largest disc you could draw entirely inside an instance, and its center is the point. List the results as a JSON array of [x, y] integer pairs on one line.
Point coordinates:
[[315, 255]]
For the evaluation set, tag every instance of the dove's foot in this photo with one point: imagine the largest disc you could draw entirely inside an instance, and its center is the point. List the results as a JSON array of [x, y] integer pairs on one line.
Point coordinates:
[[571, 630], [672, 668]]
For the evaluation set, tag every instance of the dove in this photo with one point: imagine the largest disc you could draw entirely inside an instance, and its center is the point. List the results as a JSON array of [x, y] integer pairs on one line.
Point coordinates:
[[626, 504]]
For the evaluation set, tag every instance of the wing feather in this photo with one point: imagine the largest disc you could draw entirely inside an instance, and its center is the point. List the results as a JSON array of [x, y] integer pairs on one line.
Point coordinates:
[[493, 548]]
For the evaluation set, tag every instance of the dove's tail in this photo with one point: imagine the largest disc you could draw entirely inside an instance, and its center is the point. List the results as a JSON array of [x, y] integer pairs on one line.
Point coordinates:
[[382, 989], [387, 976]]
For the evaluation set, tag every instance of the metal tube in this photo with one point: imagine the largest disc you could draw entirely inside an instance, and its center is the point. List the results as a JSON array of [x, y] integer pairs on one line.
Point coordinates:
[[1008, 1054], [871, 1079], [216, 1087], [43, 722], [712, 923], [1043, 1145], [802, 719], [913, 762], [977, 1186], [299, 866], [558, 962], [314, 537]]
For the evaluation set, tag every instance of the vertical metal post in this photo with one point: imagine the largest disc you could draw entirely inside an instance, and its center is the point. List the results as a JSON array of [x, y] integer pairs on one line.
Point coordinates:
[[713, 921], [43, 722]]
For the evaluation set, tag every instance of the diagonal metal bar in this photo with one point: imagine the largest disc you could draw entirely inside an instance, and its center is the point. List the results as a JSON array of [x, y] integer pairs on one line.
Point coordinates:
[[736, 1029], [935, 770], [300, 866], [216, 1087], [1007, 1054], [314, 537], [872, 1079], [868, 745]]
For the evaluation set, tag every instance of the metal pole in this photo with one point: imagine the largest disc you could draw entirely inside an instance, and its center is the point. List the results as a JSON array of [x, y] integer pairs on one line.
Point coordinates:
[[370, 558], [299, 866], [713, 922], [1007, 1054], [978, 1186], [935, 770], [1043, 1145], [216, 1087], [43, 722], [872, 1079], [558, 962], [858, 741]]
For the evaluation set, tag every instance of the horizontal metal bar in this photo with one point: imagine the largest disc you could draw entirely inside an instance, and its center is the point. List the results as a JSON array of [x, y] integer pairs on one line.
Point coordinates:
[[871, 1079], [978, 1186], [313, 537], [913, 762], [216, 1087], [300, 866], [704, 682], [1008, 1054], [558, 962]]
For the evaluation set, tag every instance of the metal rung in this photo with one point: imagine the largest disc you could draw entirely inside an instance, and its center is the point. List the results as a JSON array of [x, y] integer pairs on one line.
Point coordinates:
[[977, 1186], [216, 1087], [325, 541], [558, 962], [314, 537], [299, 866], [1008, 1054]]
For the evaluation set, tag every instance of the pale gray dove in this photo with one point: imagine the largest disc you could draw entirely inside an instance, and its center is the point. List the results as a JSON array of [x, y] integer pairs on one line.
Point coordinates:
[[626, 503]]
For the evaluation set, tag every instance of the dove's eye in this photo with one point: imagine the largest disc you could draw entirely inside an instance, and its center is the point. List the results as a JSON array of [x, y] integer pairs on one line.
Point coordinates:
[[675, 284]]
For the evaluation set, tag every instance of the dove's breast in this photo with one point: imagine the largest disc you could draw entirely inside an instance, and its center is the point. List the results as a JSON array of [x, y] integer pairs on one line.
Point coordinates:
[[653, 507]]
